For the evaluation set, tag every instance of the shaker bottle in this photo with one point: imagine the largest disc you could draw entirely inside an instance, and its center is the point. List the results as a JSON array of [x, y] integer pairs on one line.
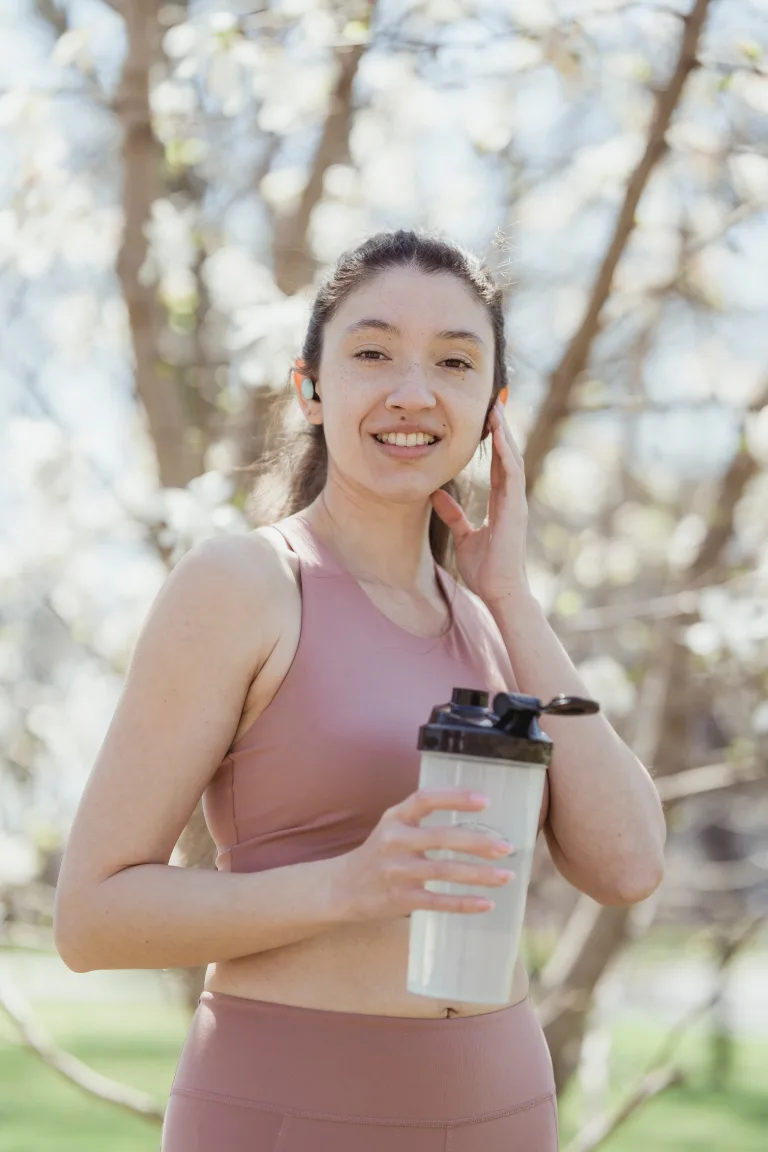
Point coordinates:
[[503, 754]]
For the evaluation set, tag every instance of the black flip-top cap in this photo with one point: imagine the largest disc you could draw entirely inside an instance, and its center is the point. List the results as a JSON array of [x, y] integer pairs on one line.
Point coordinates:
[[466, 726]]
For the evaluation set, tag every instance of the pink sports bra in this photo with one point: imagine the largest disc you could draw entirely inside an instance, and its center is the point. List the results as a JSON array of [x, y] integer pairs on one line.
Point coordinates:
[[336, 746]]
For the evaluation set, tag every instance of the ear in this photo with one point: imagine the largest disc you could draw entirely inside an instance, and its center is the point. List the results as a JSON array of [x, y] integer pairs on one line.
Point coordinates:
[[309, 409], [297, 375]]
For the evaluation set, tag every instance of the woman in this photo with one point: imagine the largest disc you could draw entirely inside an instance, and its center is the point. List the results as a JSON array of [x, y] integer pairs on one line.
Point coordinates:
[[283, 675]]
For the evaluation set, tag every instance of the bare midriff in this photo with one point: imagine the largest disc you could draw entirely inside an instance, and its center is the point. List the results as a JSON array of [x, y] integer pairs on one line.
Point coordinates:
[[348, 968], [352, 967]]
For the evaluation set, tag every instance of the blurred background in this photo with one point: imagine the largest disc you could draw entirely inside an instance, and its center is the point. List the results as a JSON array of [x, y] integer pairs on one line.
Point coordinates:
[[174, 181]]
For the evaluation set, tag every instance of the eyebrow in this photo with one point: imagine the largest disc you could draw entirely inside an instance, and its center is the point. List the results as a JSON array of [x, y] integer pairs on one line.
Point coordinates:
[[393, 330]]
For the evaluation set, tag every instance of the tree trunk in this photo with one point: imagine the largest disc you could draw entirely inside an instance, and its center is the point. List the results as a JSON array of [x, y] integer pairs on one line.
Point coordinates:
[[179, 453], [294, 264]]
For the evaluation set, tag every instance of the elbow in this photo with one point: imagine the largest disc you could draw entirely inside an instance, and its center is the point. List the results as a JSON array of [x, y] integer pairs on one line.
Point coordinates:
[[635, 884], [68, 939], [73, 959], [73, 962], [69, 953]]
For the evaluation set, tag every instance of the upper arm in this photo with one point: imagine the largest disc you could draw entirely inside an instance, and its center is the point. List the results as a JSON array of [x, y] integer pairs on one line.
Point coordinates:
[[206, 634], [559, 859]]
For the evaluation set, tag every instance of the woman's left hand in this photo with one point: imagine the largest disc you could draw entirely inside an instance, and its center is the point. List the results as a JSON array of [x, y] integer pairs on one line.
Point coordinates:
[[491, 559]]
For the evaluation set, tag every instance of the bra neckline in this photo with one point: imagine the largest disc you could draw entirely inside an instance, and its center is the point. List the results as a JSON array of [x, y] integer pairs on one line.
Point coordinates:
[[333, 563]]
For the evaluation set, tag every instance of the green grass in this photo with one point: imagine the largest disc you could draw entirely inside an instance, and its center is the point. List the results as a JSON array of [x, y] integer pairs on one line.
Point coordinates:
[[692, 1116], [139, 1044]]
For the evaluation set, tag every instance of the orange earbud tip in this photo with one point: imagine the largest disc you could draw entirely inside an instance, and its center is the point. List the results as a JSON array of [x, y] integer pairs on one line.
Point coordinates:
[[503, 395]]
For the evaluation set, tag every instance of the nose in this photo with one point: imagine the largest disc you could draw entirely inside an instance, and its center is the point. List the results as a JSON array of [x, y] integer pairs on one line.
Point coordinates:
[[412, 391]]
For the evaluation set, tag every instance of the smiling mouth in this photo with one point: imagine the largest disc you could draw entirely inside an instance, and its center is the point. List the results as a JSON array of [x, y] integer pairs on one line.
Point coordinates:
[[405, 451]]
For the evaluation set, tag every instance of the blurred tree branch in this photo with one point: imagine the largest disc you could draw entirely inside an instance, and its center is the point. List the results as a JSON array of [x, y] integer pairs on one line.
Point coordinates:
[[659, 1074], [708, 778], [675, 604], [652, 1084], [294, 264], [554, 409], [76, 1072], [54, 14], [595, 934]]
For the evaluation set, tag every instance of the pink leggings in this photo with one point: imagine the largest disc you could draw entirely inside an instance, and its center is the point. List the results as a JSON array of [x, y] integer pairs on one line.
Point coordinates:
[[254, 1076]]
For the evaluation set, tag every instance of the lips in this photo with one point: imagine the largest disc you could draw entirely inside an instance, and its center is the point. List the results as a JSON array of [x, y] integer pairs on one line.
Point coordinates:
[[403, 452]]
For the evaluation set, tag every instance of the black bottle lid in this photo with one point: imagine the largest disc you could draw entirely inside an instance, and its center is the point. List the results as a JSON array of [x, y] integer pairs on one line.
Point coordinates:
[[466, 726]]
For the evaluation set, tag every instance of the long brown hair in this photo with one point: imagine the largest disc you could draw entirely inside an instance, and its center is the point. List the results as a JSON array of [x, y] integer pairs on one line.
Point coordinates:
[[293, 468]]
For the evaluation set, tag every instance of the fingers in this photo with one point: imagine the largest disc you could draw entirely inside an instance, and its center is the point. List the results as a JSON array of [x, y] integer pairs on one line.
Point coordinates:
[[503, 439]]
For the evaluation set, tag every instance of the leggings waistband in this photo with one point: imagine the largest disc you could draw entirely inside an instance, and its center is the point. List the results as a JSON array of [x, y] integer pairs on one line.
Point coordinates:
[[378, 1069]]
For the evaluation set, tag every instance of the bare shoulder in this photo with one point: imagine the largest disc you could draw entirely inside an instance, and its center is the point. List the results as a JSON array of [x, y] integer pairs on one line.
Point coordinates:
[[249, 569], [242, 557]]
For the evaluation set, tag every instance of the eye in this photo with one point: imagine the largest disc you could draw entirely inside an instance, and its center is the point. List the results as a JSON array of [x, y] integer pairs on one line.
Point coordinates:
[[463, 364]]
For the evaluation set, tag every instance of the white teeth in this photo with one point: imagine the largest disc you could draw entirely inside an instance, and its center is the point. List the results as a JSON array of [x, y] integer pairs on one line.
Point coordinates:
[[406, 441]]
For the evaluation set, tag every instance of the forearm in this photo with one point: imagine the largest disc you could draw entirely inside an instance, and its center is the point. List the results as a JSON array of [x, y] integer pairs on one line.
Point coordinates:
[[606, 827], [163, 916]]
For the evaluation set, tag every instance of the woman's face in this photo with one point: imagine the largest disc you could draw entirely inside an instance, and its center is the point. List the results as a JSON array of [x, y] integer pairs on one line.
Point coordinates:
[[373, 380]]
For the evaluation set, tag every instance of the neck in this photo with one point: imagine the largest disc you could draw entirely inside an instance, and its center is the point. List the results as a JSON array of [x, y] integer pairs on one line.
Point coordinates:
[[385, 543]]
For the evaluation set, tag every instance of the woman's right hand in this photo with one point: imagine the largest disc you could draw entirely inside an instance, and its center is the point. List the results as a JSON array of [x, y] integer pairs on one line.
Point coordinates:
[[383, 879]]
